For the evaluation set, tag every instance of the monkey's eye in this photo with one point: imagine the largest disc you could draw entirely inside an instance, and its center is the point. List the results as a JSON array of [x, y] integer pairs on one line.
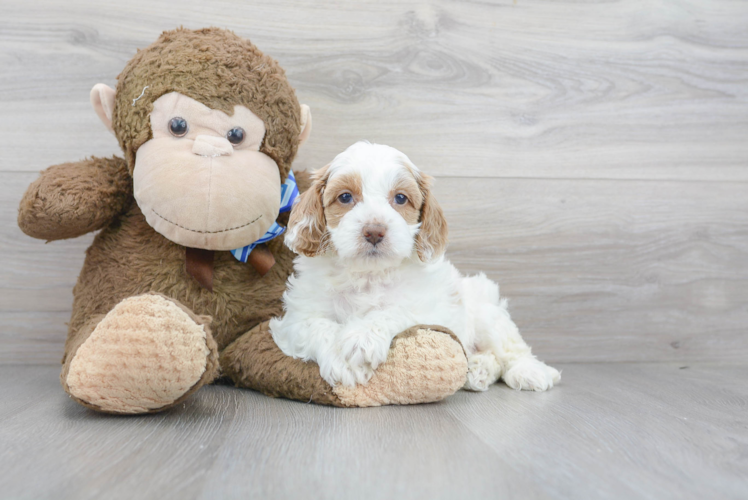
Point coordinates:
[[235, 135], [401, 199], [345, 198], [178, 126]]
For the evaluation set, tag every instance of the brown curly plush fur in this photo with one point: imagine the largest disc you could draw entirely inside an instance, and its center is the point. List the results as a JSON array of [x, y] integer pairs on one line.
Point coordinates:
[[129, 258], [60, 205]]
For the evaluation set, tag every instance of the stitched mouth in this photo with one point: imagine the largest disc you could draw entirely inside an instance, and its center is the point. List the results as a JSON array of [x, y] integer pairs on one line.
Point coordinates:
[[207, 232]]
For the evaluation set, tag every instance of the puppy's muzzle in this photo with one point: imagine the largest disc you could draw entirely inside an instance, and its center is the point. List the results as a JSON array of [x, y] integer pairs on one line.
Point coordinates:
[[374, 233]]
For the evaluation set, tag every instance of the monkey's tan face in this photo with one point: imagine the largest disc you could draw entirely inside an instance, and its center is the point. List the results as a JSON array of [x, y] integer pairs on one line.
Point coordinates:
[[201, 181]]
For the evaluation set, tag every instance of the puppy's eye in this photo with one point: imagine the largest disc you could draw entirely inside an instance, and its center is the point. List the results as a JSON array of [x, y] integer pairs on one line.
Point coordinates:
[[345, 198], [401, 199], [235, 135], [178, 126]]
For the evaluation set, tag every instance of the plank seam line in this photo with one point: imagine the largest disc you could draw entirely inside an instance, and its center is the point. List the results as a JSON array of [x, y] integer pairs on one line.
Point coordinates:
[[571, 179]]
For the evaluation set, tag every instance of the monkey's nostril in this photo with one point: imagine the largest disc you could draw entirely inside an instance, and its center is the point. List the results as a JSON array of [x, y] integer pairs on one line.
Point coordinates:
[[212, 146]]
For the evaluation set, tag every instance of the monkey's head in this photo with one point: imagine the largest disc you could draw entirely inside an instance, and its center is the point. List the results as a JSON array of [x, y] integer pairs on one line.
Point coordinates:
[[209, 126]]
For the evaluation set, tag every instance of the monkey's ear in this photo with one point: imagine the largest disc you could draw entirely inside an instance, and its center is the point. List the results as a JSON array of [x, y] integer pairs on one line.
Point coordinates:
[[306, 124], [102, 99]]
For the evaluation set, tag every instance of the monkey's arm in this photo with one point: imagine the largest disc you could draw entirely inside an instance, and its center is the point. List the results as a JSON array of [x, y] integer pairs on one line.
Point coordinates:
[[73, 199]]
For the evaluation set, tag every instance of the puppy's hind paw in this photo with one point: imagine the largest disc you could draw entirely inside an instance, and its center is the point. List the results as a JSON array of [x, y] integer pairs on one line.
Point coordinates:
[[529, 374], [483, 370]]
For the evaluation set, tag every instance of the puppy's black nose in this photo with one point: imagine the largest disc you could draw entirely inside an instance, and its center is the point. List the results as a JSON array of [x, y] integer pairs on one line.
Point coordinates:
[[374, 233]]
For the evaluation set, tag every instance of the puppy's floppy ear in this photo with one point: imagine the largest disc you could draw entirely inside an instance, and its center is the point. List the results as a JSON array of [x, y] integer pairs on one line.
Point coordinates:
[[431, 241], [307, 224]]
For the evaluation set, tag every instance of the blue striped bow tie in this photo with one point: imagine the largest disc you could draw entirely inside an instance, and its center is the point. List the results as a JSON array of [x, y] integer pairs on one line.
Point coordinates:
[[289, 194]]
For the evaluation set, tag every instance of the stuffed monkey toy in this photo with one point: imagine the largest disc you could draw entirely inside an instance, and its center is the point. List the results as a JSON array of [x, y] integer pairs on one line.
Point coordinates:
[[179, 283]]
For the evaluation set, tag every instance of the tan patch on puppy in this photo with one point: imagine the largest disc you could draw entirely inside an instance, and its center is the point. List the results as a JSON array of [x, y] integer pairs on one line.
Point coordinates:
[[306, 224], [345, 183], [431, 241], [410, 210]]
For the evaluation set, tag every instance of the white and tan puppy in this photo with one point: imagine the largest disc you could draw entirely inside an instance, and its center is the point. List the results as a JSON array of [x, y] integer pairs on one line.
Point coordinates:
[[371, 240]]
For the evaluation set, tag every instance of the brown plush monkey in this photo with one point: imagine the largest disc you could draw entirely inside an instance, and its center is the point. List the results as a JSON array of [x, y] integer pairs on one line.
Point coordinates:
[[209, 126]]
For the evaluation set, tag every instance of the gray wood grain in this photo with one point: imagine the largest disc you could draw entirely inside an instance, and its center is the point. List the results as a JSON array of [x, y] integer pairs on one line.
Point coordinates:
[[507, 88], [653, 431], [595, 270]]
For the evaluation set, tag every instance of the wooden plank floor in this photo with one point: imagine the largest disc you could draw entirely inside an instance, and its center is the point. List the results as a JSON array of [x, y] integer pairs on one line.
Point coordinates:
[[654, 431]]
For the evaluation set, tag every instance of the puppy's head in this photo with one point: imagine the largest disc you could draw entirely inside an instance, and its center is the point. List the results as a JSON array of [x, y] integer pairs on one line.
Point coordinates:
[[372, 207]]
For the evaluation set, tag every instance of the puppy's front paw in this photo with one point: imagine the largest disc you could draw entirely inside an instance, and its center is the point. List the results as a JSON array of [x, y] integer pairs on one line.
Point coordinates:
[[529, 374], [364, 347], [337, 371]]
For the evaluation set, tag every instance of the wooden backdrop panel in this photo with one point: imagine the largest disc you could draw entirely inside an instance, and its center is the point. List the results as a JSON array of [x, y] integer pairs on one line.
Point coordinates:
[[591, 156], [563, 89], [595, 270]]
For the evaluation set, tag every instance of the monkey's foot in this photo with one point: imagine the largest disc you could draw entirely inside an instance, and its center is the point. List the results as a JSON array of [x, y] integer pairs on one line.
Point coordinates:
[[424, 365], [147, 354]]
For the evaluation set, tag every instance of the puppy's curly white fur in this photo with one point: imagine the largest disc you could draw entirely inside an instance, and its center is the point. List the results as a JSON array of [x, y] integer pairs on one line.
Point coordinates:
[[371, 239]]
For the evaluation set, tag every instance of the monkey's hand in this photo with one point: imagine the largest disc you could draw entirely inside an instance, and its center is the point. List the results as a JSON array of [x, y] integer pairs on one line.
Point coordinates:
[[72, 199]]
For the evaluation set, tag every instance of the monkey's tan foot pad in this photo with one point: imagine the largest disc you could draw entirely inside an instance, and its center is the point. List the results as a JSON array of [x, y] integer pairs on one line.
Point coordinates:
[[424, 365], [147, 354]]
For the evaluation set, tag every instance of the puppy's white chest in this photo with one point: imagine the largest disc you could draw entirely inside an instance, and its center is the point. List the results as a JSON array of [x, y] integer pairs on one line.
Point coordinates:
[[356, 302]]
